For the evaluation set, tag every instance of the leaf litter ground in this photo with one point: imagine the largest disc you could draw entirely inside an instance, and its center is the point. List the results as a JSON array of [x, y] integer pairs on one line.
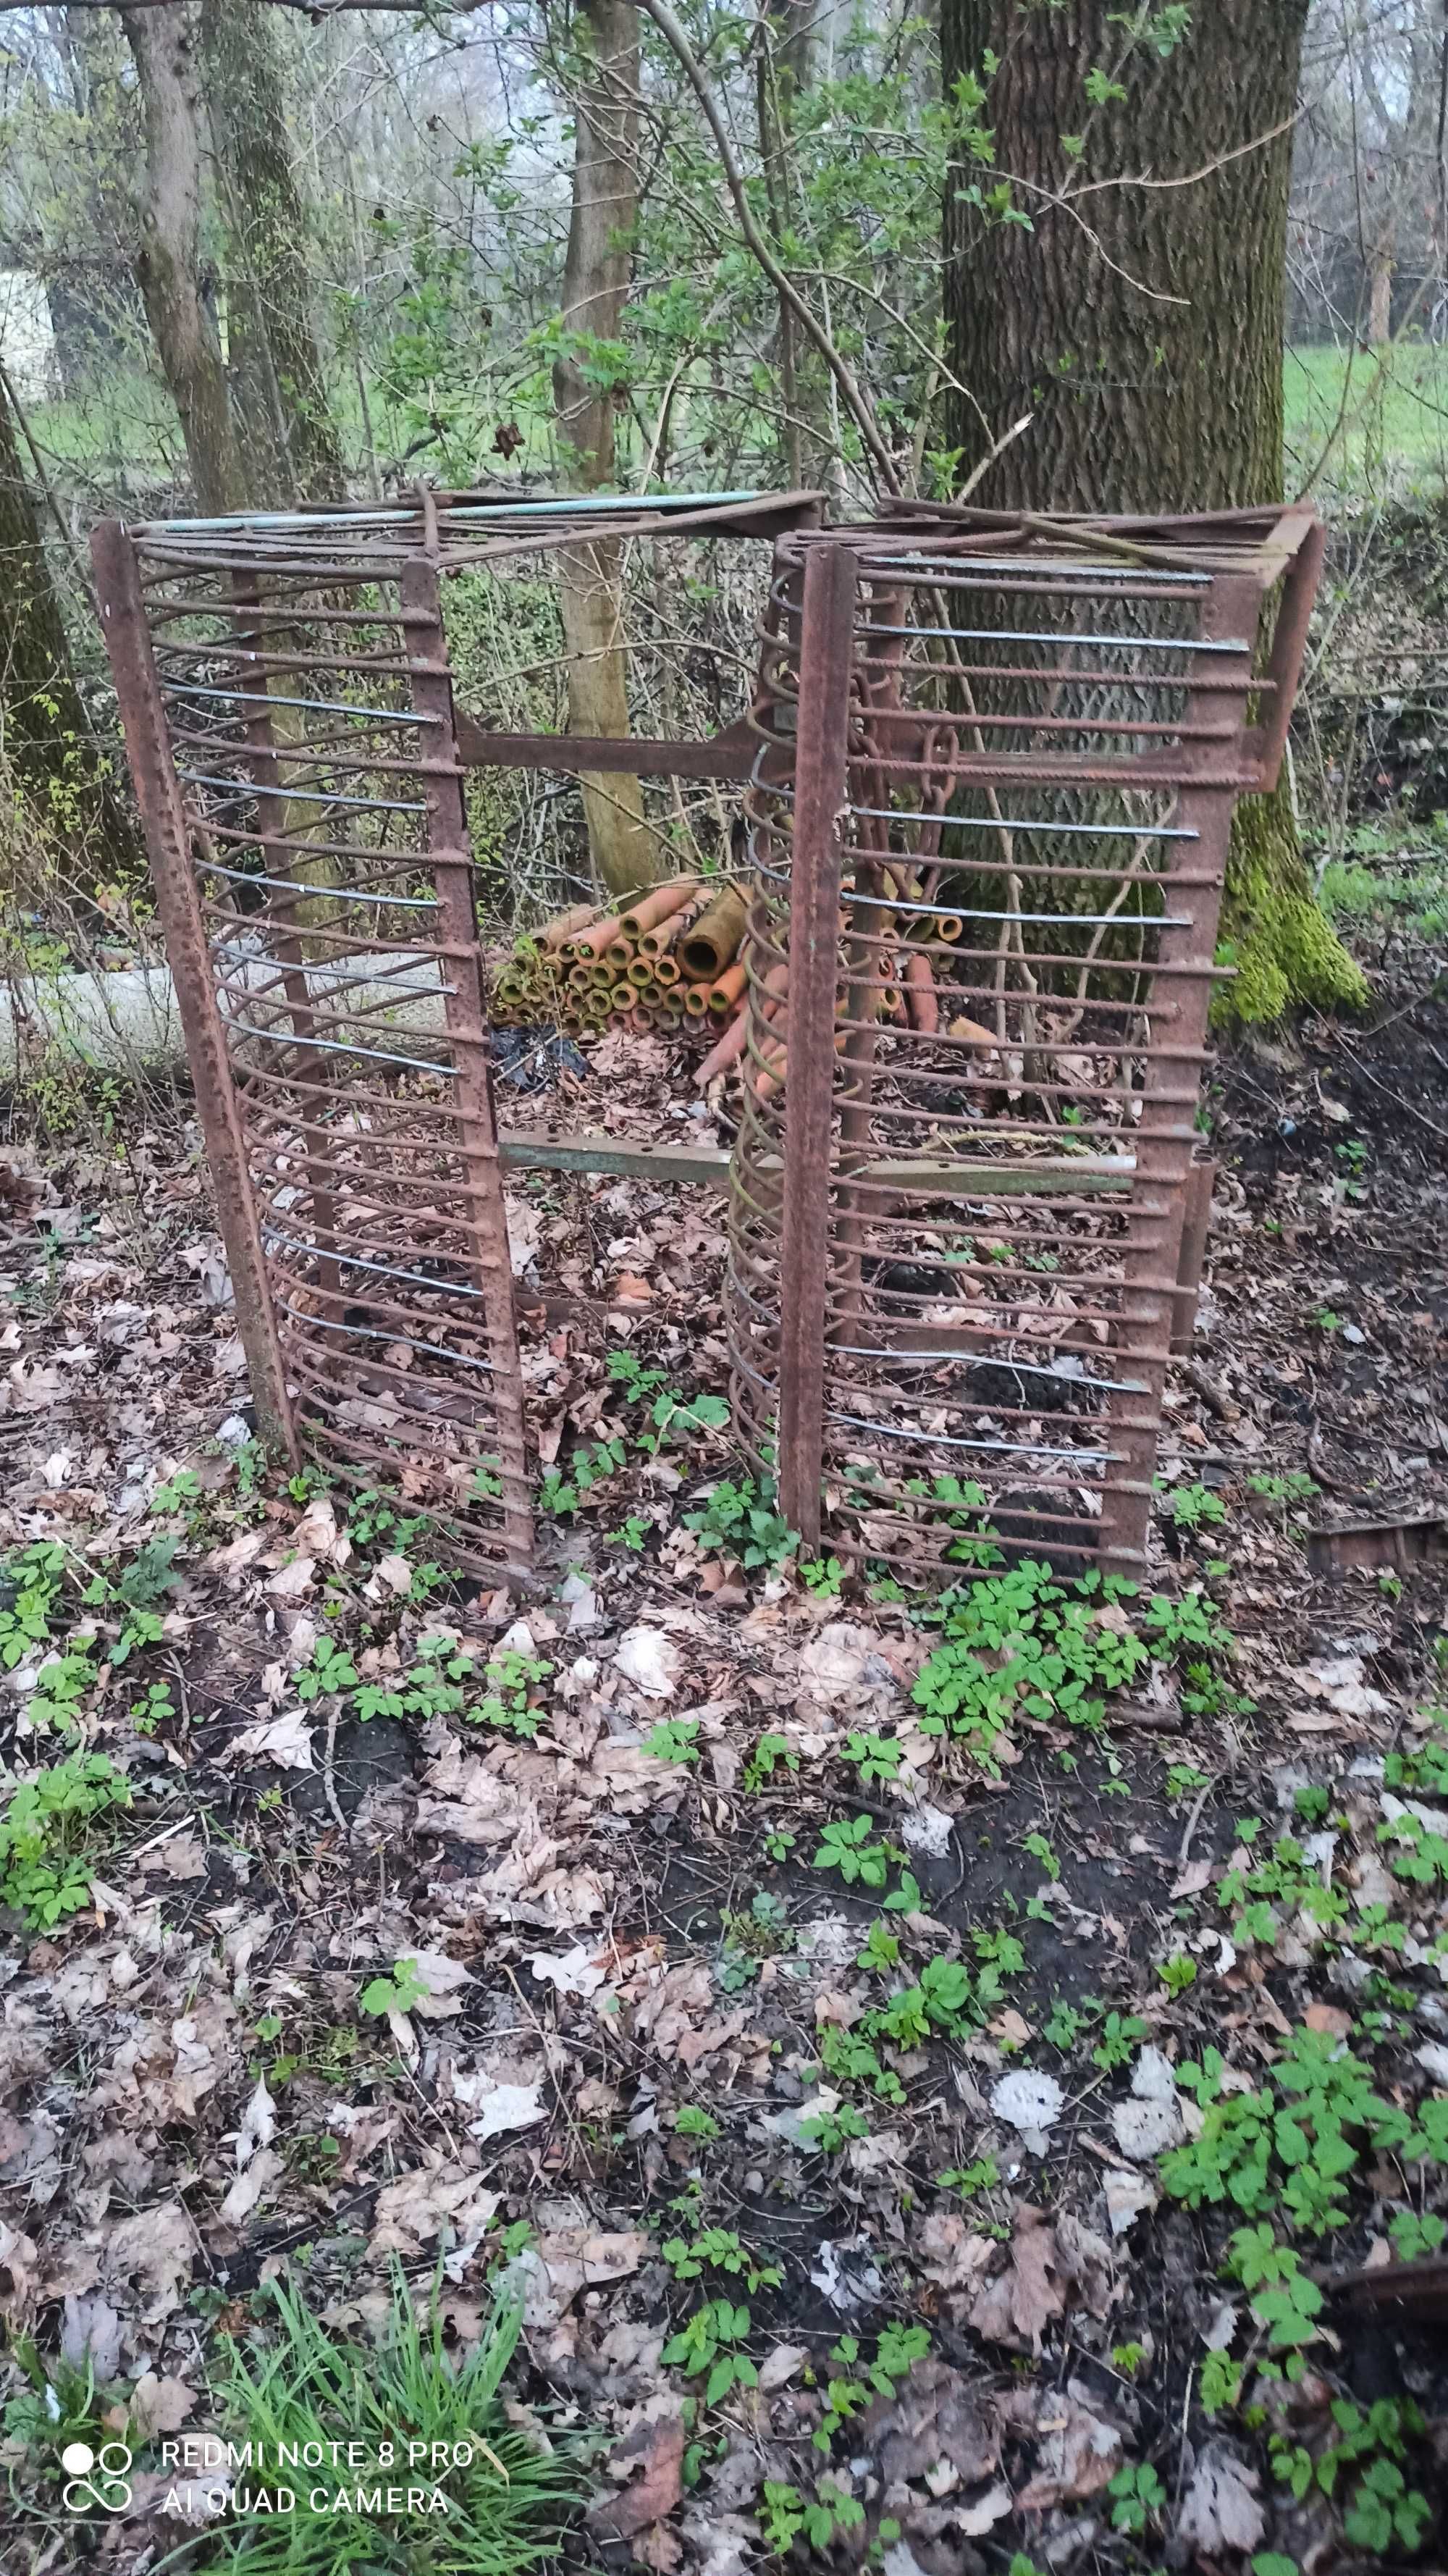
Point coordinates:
[[924, 2129]]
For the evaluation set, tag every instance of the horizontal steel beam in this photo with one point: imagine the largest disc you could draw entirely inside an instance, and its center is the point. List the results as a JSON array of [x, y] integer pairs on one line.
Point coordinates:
[[730, 754], [710, 1165]]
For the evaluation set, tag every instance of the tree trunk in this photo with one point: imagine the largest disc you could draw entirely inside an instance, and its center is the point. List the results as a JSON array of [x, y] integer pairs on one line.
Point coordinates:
[[47, 747], [1380, 292], [595, 282], [168, 259], [784, 38], [295, 454], [1142, 330]]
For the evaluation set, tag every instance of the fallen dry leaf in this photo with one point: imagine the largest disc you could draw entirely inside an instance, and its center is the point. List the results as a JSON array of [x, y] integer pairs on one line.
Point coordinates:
[[443, 1980], [180, 1856], [570, 1972], [258, 2124], [91, 2333], [155, 2247], [285, 1740], [1078, 2452], [1329, 2018], [293, 1580], [936, 2417], [261, 2174], [1128, 2197], [577, 2258], [659, 2448], [437, 2194], [317, 1535], [501, 2107], [1153, 2119], [1031, 2102], [1047, 2263], [953, 2255], [1220, 2510], [160, 2405], [650, 1660]]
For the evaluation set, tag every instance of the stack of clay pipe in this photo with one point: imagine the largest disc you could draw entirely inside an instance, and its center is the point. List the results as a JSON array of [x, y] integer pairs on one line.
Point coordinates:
[[667, 962], [671, 962], [906, 995]]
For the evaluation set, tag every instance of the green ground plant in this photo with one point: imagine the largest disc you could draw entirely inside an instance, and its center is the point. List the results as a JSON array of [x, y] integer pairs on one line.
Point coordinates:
[[709, 2346], [739, 1520], [297, 2382], [1031, 1646], [54, 1832], [397, 1993]]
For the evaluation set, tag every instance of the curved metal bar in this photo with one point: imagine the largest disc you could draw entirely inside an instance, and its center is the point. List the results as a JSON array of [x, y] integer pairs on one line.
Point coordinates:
[[381, 1269], [245, 788], [330, 894], [319, 706], [378, 1333], [1057, 635]]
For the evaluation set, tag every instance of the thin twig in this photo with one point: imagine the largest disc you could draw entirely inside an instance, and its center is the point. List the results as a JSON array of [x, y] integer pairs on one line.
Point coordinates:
[[1195, 1818], [329, 1774], [843, 375]]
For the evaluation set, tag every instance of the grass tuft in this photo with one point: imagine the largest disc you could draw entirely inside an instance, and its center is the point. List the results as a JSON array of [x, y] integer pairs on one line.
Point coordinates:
[[507, 2503]]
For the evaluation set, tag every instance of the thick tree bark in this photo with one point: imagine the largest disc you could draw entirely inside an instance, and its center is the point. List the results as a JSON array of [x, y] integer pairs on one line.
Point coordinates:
[[49, 762], [595, 282], [1141, 327], [294, 451], [168, 259]]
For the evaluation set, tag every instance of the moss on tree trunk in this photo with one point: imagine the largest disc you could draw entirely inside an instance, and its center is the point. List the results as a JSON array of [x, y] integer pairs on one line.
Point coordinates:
[[1280, 942], [1141, 329]]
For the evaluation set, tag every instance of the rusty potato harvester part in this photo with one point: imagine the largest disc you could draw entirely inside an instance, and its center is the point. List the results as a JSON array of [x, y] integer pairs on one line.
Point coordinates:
[[300, 762], [1411, 1538], [989, 775], [989, 817]]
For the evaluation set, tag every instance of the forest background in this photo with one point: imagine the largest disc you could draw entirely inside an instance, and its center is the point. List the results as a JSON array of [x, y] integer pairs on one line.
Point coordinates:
[[1059, 254]]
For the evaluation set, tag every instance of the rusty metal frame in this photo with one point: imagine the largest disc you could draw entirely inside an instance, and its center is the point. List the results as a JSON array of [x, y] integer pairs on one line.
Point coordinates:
[[163, 822], [1191, 1261], [334, 1004], [955, 711], [300, 763]]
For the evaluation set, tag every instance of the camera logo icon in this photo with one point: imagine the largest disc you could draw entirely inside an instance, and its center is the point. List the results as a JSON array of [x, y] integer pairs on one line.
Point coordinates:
[[99, 2478]]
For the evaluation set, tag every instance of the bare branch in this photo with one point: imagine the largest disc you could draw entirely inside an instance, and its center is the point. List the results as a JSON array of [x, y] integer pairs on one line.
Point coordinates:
[[856, 400]]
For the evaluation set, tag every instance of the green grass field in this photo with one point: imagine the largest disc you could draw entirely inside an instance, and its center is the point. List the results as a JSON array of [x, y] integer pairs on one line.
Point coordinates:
[[1359, 423], [1367, 422]]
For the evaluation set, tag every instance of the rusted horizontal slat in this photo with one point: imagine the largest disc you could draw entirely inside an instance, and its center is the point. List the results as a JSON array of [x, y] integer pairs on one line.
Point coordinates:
[[730, 754], [709, 1165]]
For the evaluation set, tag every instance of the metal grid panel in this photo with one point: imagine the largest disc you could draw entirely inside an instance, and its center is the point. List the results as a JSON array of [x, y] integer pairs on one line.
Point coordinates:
[[293, 731], [990, 818], [285, 689], [990, 801]]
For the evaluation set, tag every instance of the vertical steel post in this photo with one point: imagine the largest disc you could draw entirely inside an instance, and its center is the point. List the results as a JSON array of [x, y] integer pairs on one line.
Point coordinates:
[[820, 795], [1289, 643], [1166, 1131], [1200, 1181], [158, 795], [451, 861]]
